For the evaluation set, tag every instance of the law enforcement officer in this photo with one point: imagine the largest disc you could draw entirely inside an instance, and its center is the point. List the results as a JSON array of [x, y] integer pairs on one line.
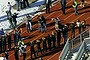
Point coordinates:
[[75, 5], [63, 5]]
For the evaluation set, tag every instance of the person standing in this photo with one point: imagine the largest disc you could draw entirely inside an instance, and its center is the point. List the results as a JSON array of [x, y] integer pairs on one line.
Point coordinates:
[[16, 36], [48, 3], [65, 33], [0, 44], [44, 44], [82, 3], [39, 47], [16, 53], [49, 41], [4, 42], [63, 5], [14, 16], [53, 39], [72, 27], [32, 49], [83, 25], [24, 52], [6, 55], [18, 4], [79, 25], [75, 5], [9, 40], [25, 3], [9, 7], [28, 23]]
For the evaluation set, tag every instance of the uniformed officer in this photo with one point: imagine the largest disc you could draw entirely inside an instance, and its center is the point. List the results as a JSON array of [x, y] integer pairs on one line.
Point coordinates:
[[63, 5], [75, 5]]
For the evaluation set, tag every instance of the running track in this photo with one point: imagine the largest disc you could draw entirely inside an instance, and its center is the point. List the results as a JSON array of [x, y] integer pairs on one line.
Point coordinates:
[[84, 13]]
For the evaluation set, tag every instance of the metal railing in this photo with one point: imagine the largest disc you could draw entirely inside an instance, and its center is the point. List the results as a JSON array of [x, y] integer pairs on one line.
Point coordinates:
[[83, 50], [73, 44], [65, 51]]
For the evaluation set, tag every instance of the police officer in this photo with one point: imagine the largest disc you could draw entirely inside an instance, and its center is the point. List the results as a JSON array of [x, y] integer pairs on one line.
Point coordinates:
[[75, 5], [63, 5], [48, 3]]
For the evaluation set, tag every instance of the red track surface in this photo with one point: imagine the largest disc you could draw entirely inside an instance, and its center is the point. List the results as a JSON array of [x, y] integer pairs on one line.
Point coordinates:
[[84, 13]]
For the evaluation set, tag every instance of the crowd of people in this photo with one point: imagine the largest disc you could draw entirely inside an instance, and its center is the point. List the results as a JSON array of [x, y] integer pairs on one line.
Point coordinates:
[[44, 44]]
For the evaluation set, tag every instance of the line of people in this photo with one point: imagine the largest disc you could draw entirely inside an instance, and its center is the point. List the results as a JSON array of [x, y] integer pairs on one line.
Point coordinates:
[[63, 5]]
